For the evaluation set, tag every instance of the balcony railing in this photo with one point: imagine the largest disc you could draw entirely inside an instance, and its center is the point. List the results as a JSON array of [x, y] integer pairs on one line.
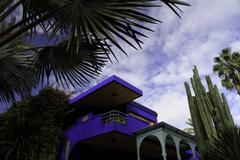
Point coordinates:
[[114, 117]]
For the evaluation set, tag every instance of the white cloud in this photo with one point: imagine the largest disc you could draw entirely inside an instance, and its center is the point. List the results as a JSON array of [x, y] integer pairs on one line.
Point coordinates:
[[235, 46], [170, 104], [170, 53], [234, 101]]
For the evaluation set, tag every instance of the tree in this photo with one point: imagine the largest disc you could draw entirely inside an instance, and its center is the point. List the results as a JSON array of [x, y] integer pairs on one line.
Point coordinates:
[[81, 35], [32, 129], [227, 66], [189, 129]]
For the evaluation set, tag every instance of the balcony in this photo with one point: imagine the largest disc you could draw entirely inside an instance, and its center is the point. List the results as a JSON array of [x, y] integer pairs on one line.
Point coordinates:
[[113, 122], [104, 123], [114, 117]]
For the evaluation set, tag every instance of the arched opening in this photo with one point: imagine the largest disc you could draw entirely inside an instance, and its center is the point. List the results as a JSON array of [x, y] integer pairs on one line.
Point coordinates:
[[185, 150], [150, 149], [170, 148]]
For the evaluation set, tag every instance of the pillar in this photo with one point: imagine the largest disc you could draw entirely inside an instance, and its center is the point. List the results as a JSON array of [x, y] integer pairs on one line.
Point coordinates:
[[193, 146], [177, 145], [162, 138], [139, 142]]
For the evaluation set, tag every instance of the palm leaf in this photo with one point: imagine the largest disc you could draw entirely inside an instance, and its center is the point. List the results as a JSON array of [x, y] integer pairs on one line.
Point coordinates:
[[172, 4], [190, 128], [70, 68], [15, 69], [111, 19], [88, 29], [14, 77], [227, 67], [5, 4], [226, 146]]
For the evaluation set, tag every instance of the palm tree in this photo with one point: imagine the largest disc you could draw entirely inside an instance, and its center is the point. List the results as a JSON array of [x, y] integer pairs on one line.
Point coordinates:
[[227, 66], [189, 129], [84, 33]]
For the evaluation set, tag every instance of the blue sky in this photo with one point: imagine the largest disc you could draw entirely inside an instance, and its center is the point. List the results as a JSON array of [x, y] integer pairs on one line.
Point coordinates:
[[169, 54]]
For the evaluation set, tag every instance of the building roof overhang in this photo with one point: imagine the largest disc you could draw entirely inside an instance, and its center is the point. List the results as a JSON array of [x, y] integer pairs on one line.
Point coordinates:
[[166, 127], [111, 92]]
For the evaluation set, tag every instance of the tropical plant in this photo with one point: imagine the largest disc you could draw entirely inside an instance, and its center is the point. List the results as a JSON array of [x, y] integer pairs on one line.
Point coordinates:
[[227, 66], [32, 129], [226, 146], [190, 128], [15, 68], [81, 36], [210, 112]]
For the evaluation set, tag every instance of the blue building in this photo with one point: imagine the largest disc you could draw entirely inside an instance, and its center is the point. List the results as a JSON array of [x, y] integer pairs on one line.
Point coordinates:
[[107, 124]]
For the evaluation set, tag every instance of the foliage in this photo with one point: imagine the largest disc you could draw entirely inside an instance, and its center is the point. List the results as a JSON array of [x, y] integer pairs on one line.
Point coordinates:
[[227, 66], [189, 129], [226, 146], [15, 71], [84, 31], [209, 112], [32, 129]]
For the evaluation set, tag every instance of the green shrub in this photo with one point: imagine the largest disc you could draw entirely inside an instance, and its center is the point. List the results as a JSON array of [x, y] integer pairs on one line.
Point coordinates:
[[32, 129]]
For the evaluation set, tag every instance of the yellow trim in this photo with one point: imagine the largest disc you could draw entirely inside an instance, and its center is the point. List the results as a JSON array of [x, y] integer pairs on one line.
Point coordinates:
[[151, 123]]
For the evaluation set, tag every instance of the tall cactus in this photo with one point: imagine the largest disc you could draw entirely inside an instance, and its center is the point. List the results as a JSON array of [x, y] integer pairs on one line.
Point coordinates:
[[209, 111]]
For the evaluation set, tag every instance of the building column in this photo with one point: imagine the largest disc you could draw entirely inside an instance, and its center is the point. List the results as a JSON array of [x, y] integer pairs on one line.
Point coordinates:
[[193, 146], [67, 152], [177, 145], [162, 138], [139, 142]]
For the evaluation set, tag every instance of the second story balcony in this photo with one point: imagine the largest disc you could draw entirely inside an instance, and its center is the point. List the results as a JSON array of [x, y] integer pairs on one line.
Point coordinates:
[[114, 116], [104, 123]]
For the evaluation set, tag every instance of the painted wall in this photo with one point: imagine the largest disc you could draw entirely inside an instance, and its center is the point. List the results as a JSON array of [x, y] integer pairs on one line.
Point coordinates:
[[94, 127]]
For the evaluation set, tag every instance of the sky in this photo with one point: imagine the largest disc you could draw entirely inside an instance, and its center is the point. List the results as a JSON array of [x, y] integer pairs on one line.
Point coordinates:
[[169, 54]]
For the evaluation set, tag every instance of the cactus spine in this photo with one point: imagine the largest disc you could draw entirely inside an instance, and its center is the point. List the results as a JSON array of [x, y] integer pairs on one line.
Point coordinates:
[[209, 111]]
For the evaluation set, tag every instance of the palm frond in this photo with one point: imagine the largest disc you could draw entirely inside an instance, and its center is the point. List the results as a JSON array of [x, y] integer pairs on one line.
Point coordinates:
[[88, 29], [111, 19], [5, 4], [70, 68], [9, 10], [190, 128], [226, 146], [172, 4], [227, 83], [14, 77], [15, 69], [227, 67]]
